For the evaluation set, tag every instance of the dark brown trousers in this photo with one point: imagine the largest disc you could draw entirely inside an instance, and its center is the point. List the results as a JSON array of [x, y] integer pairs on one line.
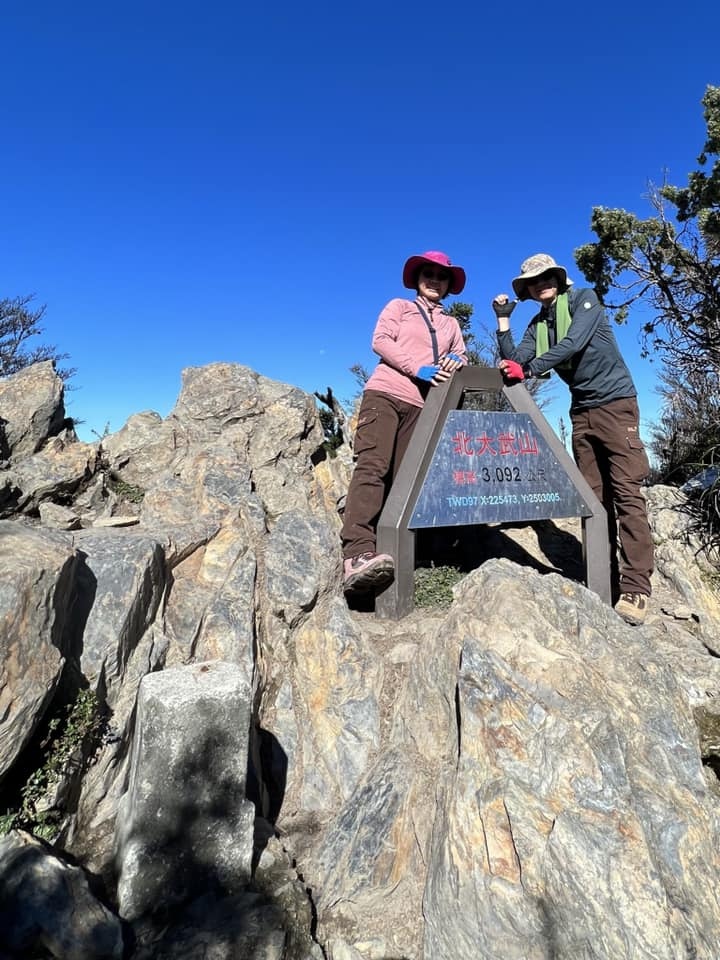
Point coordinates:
[[611, 456], [385, 426]]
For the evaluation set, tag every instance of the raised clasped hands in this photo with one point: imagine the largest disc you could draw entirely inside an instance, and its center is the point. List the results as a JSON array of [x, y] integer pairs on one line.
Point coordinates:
[[503, 306]]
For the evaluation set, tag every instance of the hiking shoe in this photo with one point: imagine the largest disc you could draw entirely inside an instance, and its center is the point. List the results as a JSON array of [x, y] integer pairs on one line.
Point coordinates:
[[632, 607], [369, 571]]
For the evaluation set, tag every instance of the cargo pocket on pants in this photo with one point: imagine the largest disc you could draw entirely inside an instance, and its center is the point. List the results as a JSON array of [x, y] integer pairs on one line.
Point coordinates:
[[639, 457], [365, 433]]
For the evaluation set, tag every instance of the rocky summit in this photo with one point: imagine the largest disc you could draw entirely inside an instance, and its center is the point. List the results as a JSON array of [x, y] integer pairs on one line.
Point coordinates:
[[205, 752]]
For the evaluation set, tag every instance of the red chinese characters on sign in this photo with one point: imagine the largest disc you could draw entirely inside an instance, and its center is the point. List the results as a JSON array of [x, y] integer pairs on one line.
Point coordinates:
[[464, 476], [461, 443], [486, 446], [527, 444], [505, 444]]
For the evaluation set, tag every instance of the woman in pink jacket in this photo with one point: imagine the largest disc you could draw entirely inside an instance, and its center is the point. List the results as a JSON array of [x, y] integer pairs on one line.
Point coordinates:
[[420, 346]]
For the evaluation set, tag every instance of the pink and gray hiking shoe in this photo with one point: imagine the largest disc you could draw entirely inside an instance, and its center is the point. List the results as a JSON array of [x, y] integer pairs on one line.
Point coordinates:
[[369, 571], [632, 607]]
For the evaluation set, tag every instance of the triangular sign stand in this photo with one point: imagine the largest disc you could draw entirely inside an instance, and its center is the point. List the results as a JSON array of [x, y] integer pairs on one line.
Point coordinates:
[[479, 467]]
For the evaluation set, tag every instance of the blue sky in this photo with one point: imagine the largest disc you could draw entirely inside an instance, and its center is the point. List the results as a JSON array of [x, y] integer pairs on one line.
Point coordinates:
[[185, 183]]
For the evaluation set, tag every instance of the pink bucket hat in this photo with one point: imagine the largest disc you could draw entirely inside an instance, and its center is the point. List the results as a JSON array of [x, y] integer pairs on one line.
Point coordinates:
[[413, 264]]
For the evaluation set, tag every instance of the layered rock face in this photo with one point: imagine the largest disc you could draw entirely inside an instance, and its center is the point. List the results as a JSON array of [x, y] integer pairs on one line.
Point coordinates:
[[269, 774]]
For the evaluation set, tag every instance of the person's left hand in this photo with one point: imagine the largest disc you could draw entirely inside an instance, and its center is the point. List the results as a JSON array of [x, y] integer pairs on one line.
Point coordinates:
[[442, 376], [450, 363], [511, 370]]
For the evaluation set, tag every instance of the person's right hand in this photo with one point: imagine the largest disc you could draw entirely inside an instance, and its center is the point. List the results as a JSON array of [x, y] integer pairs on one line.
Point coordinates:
[[503, 306], [511, 370], [436, 375], [428, 372]]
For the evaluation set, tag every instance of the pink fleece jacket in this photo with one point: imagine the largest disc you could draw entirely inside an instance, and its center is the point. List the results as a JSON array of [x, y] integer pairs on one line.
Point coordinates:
[[403, 343]]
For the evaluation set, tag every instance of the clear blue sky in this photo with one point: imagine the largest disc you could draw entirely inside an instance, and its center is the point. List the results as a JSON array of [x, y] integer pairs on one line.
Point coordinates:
[[185, 183]]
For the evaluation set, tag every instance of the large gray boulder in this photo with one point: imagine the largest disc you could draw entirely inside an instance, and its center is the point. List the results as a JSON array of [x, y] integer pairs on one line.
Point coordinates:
[[520, 774], [36, 586], [577, 821], [31, 409]]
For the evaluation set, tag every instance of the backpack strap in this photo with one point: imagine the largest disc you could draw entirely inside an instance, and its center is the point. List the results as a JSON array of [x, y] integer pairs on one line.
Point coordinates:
[[433, 334]]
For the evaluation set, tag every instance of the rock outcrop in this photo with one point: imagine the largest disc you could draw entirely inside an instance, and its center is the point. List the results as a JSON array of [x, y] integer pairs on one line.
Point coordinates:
[[267, 773]]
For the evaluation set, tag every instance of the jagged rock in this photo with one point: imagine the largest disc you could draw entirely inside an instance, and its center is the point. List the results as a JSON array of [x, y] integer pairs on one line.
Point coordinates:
[[245, 925], [301, 563], [519, 775], [578, 820], [210, 612], [679, 612], [46, 904], [144, 447], [38, 571], [31, 409], [116, 521], [274, 427], [59, 517], [58, 470], [683, 563], [121, 583]]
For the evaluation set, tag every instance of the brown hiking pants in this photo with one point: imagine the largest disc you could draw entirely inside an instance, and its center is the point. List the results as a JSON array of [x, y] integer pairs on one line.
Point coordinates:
[[385, 426], [611, 456]]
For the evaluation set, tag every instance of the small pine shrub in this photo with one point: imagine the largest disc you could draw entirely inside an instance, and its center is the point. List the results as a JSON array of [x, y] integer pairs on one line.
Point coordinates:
[[126, 491], [433, 586]]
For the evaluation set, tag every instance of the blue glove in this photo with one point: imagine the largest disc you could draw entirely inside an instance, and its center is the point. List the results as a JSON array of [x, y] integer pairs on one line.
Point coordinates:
[[427, 372], [454, 356]]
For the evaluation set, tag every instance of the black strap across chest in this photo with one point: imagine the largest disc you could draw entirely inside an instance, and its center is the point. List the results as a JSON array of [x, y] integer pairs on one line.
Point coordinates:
[[433, 334]]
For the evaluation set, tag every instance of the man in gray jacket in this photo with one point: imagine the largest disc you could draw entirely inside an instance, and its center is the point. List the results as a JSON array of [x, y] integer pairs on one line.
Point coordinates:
[[571, 335]]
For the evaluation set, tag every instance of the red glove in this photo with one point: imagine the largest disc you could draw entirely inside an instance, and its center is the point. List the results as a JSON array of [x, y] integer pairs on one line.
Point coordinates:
[[512, 370]]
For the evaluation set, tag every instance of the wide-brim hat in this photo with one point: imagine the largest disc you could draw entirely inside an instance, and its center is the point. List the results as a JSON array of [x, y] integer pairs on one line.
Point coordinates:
[[533, 267], [413, 264]]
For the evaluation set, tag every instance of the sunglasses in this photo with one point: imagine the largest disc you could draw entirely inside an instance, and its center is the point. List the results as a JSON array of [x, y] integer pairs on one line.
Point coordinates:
[[549, 275], [440, 275]]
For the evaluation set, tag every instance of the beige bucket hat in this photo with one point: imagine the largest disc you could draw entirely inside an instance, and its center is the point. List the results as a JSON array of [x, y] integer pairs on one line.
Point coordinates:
[[533, 267]]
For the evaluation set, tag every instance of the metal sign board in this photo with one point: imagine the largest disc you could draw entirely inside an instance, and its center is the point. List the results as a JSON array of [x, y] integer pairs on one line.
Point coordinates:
[[491, 467]]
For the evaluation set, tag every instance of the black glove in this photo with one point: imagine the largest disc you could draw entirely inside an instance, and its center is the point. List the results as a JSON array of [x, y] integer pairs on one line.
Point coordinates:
[[504, 309]]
